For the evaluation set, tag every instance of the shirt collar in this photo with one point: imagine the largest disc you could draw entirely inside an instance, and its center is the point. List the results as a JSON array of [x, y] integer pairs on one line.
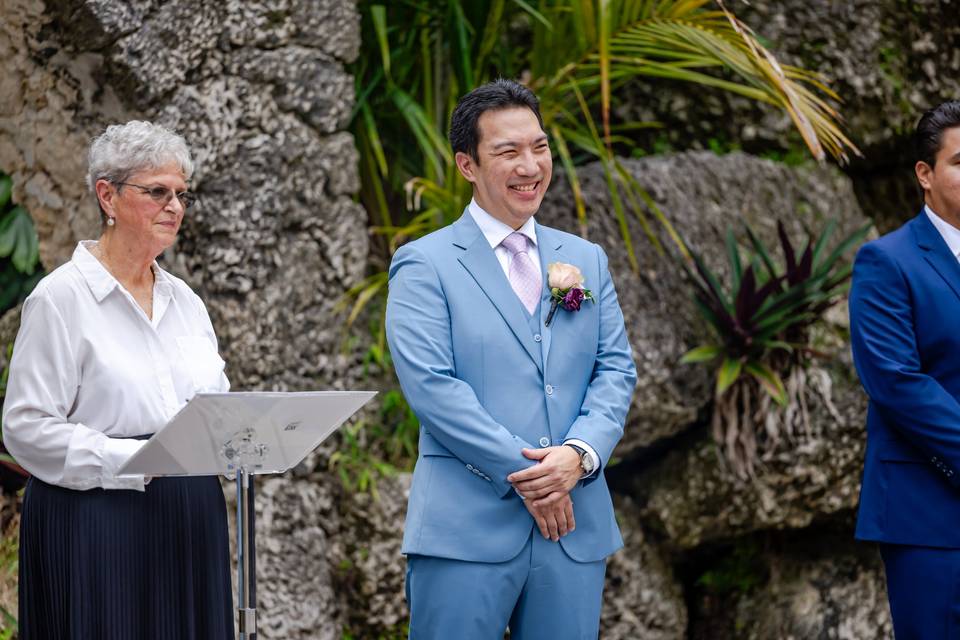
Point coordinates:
[[494, 230], [101, 281], [951, 235]]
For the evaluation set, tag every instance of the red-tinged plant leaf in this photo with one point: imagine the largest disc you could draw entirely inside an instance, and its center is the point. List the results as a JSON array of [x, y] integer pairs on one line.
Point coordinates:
[[761, 252], [711, 282], [805, 268], [742, 309], [718, 317]]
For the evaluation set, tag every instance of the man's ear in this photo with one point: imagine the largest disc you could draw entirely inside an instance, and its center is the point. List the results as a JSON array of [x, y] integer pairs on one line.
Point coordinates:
[[106, 192], [466, 166]]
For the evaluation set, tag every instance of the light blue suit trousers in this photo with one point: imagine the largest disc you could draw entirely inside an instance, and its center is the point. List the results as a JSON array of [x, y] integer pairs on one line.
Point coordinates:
[[486, 380]]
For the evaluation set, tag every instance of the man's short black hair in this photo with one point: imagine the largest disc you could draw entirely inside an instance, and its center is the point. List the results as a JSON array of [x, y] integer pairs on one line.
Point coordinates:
[[499, 94], [929, 136]]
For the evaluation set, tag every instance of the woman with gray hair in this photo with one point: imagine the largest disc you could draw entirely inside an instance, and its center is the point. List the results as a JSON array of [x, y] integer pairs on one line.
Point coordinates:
[[110, 347]]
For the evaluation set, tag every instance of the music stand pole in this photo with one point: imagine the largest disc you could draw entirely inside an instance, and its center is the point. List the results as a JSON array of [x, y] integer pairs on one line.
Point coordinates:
[[246, 556]]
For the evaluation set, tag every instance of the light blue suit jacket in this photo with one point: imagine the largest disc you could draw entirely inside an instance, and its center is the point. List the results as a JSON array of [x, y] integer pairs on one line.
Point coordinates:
[[485, 383]]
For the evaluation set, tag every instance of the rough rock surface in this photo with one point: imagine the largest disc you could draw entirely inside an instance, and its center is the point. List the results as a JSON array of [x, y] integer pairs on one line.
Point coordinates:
[[642, 598], [296, 524], [329, 559], [370, 569], [691, 497], [703, 195], [46, 102], [836, 593]]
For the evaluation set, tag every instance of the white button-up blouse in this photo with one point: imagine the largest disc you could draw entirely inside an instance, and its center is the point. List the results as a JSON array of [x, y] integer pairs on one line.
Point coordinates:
[[89, 369]]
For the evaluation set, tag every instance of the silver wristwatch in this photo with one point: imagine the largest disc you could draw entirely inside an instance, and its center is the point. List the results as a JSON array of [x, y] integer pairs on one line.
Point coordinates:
[[586, 460]]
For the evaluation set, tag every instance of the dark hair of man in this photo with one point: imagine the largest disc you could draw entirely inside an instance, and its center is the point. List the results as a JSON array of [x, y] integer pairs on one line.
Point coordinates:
[[929, 136], [496, 95]]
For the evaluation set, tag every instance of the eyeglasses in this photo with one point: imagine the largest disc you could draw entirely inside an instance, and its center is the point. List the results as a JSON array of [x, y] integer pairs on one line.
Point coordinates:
[[163, 195]]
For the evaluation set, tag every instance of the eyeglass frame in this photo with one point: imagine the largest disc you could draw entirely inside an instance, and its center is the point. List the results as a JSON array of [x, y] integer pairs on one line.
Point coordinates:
[[192, 197]]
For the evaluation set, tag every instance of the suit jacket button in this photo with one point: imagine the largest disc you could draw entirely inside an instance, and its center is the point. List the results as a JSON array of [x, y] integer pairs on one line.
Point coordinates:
[[470, 467], [544, 442]]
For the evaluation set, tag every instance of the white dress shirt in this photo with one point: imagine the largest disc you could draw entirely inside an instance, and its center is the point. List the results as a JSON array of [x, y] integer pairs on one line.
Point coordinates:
[[495, 232], [89, 368], [951, 235]]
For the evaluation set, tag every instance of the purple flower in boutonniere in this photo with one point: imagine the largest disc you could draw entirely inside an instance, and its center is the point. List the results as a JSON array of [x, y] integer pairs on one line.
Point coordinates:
[[566, 288]]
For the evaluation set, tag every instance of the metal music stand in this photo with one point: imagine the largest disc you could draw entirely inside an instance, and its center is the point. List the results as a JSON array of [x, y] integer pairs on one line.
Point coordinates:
[[244, 434]]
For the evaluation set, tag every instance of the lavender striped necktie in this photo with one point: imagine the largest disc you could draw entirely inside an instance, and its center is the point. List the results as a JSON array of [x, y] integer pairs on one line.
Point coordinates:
[[524, 277]]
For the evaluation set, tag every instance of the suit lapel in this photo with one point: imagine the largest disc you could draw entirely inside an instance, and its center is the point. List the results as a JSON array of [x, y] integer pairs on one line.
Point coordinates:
[[936, 251], [549, 245], [481, 263]]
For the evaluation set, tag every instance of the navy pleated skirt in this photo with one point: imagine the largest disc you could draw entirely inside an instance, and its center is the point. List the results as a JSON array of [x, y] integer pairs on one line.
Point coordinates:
[[125, 565]]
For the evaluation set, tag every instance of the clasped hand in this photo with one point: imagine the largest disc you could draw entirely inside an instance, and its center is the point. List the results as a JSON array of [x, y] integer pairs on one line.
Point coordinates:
[[546, 488]]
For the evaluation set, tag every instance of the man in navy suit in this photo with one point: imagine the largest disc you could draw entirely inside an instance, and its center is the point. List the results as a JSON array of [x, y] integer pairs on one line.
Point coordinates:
[[509, 520], [905, 331]]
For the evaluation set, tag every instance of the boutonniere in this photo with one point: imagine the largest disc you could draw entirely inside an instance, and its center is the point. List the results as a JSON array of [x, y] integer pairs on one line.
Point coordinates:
[[566, 288]]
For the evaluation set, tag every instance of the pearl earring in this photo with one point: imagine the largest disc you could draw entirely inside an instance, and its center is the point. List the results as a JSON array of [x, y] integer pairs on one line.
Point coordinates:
[[111, 222]]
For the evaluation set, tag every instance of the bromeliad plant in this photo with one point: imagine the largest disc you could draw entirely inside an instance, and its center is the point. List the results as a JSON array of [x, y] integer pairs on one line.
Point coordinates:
[[762, 327]]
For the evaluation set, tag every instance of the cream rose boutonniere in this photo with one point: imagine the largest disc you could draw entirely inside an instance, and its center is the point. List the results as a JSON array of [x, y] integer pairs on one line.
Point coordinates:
[[566, 288]]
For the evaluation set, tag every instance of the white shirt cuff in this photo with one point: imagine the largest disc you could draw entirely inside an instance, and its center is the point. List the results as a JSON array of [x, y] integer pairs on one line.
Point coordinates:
[[590, 452], [116, 451]]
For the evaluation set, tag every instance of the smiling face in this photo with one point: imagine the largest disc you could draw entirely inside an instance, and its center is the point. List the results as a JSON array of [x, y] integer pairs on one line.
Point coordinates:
[[514, 165], [941, 183], [141, 223]]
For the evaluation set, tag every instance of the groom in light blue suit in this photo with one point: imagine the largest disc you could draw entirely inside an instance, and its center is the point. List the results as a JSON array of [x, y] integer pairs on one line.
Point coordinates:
[[509, 521]]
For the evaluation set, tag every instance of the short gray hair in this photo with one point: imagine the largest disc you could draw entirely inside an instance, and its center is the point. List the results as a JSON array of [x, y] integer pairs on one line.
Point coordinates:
[[125, 149]]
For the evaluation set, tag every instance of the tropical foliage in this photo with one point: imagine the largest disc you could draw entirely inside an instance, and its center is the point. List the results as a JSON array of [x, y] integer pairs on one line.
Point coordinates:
[[19, 249], [761, 325]]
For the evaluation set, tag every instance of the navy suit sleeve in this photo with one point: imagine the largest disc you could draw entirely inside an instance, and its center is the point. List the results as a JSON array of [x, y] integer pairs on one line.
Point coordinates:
[[888, 360], [607, 400], [419, 335]]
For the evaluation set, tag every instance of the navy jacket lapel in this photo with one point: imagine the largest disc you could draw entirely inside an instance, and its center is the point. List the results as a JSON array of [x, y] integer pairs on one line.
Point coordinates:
[[480, 261], [936, 251]]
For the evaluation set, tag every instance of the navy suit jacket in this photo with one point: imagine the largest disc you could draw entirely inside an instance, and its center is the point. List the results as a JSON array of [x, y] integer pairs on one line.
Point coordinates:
[[905, 333]]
